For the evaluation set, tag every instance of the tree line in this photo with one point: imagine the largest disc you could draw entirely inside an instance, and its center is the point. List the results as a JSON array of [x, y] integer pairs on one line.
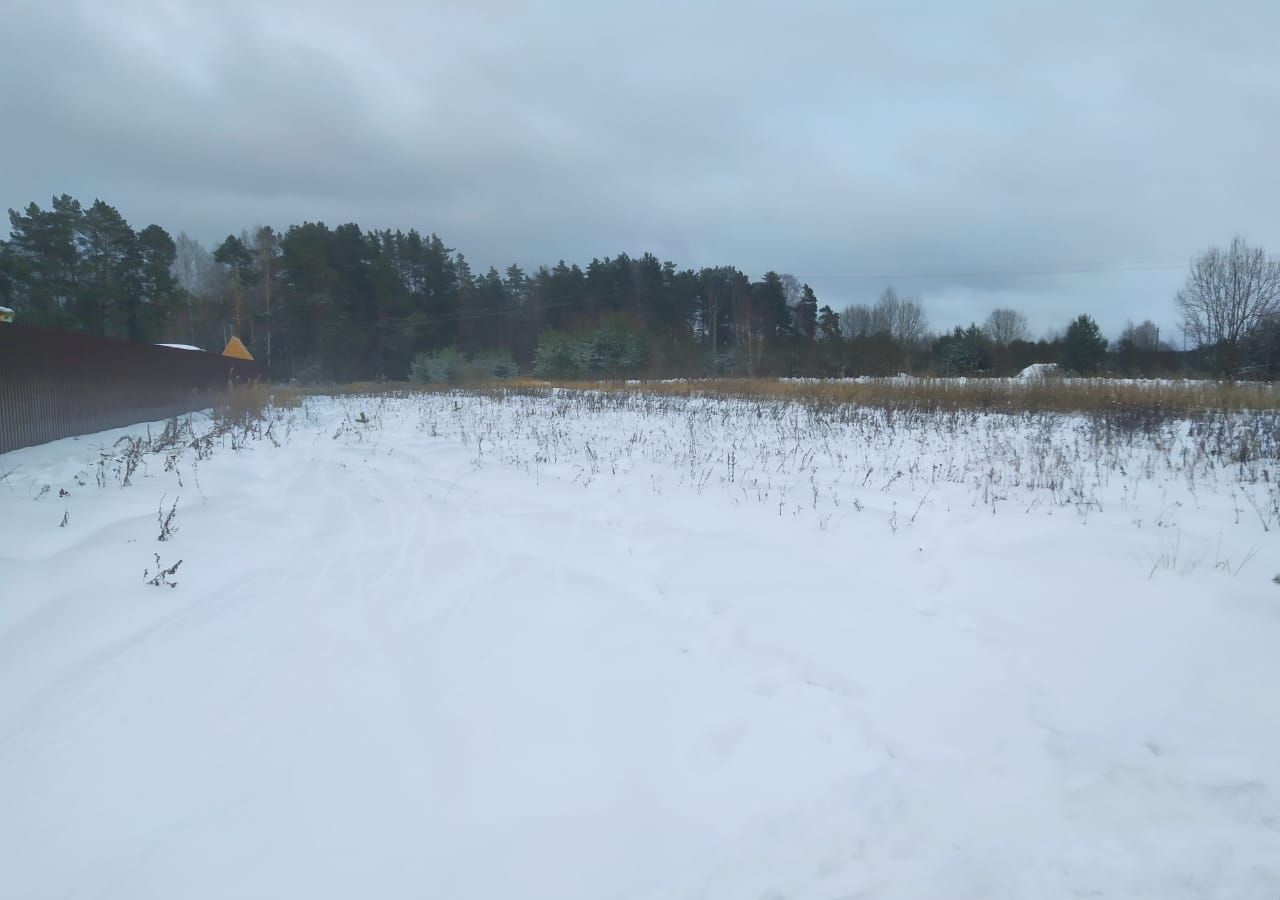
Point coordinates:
[[343, 304]]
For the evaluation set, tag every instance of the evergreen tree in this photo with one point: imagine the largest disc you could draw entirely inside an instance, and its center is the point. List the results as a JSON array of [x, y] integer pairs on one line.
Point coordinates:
[[266, 253], [349, 304], [556, 356], [771, 298], [806, 314], [157, 297], [43, 264], [6, 276], [110, 264], [828, 324], [1083, 347], [565, 300], [966, 351], [233, 254], [516, 284]]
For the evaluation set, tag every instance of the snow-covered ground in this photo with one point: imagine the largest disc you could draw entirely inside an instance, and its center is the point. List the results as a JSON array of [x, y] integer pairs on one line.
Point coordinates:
[[594, 647]]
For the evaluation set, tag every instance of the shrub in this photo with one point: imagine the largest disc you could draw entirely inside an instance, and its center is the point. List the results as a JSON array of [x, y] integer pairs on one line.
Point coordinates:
[[615, 350], [450, 366], [309, 373], [438, 367], [556, 356], [495, 364]]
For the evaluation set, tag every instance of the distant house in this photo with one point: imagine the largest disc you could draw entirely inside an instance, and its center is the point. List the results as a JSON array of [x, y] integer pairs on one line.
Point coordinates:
[[6, 314]]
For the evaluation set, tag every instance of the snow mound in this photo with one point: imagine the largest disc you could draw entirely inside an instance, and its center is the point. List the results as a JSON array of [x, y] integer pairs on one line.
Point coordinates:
[[1040, 370]]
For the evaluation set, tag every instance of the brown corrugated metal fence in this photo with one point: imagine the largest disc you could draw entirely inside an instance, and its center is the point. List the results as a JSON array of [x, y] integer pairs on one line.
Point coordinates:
[[54, 384]]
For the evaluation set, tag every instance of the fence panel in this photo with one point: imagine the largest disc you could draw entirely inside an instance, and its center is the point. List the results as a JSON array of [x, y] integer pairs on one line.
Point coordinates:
[[55, 384]]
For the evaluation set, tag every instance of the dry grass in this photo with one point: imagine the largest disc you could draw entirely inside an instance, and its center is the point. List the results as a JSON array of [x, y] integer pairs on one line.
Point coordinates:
[[1115, 405], [788, 450], [242, 404], [378, 389], [1096, 397]]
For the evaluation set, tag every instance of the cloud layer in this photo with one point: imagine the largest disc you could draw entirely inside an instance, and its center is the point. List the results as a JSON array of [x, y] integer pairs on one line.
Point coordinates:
[[1061, 160]]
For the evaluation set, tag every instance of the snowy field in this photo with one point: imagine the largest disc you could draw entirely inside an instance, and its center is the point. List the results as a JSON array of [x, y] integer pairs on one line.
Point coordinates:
[[588, 646]]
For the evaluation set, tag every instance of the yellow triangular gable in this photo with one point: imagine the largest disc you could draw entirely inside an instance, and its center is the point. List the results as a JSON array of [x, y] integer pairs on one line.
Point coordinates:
[[236, 349]]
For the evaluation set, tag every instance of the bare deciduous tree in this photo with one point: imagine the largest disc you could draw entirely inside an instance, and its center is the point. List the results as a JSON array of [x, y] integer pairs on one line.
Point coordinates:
[[901, 318], [199, 277], [1228, 294], [192, 264], [1004, 326], [855, 321], [1144, 337], [884, 314], [791, 286], [910, 325]]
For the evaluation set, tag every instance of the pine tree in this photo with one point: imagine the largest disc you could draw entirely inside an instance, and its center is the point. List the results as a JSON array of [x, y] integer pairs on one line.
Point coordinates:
[[43, 264], [770, 295], [110, 264], [266, 251], [828, 324], [806, 314], [157, 287], [233, 254]]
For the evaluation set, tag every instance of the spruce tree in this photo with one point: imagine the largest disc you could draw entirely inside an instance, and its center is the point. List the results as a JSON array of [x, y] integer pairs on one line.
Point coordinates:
[[1083, 348]]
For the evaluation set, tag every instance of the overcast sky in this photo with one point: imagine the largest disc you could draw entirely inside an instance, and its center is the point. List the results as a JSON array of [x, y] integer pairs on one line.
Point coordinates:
[[1059, 158]]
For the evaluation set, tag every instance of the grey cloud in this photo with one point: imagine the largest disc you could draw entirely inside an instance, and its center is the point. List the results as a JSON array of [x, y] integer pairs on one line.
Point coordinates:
[[964, 151]]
